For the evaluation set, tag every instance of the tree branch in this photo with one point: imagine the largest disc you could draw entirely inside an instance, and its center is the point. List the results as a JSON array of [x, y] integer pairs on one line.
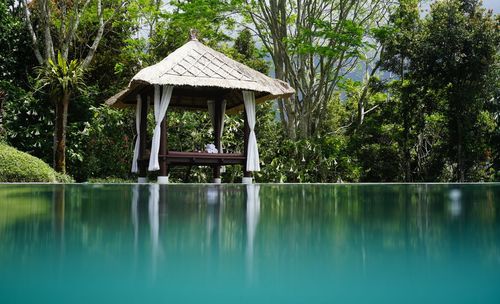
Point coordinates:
[[49, 44], [100, 31], [98, 37], [34, 40], [73, 27]]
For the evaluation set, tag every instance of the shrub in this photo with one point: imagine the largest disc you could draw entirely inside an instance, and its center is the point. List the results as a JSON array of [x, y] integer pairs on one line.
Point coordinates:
[[105, 146], [27, 121], [17, 166]]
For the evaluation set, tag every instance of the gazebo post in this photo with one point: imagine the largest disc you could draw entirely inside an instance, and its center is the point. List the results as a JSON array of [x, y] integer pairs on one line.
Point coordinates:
[[163, 177], [217, 139], [143, 127], [247, 175]]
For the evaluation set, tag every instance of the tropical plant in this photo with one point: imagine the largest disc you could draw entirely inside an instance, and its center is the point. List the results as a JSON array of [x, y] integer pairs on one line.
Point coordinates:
[[60, 22], [62, 78]]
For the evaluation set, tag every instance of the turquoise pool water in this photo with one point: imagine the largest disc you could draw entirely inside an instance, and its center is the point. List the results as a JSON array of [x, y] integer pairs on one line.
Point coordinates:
[[250, 244]]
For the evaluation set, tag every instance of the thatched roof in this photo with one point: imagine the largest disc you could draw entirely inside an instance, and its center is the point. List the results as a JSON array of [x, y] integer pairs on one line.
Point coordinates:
[[200, 73]]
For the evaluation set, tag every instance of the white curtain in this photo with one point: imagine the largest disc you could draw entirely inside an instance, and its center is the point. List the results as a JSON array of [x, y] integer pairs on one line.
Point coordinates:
[[211, 111], [138, 131], [161, 106], [253, 151]]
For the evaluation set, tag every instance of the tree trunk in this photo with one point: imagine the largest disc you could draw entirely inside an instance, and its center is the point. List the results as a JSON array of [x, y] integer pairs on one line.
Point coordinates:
[[361, 112], [406, 147], [406, 126], [60, 133], [3, 96], [460, 154]]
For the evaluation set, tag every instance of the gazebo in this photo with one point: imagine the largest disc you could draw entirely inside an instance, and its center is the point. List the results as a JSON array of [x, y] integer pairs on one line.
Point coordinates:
[[196, 77]]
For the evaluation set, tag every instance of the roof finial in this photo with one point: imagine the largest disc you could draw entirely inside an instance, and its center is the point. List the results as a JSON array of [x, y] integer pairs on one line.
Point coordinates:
[[193, 33]]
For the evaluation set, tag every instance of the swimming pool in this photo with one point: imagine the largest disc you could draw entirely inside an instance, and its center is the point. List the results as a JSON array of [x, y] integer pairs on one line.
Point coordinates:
[[421, 243]]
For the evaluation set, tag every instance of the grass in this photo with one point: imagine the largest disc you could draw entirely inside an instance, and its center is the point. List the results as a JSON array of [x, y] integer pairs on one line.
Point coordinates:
[[111, 180]]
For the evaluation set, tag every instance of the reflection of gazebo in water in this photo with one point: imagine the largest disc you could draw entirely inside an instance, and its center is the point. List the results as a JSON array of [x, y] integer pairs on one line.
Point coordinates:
[[196, 77]]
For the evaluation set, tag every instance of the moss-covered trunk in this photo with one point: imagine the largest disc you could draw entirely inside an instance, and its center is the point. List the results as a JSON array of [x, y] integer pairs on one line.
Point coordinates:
[[60, 133]]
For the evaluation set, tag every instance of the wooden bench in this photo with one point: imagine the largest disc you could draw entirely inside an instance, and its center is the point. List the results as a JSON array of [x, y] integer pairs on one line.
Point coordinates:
[[174, 158]]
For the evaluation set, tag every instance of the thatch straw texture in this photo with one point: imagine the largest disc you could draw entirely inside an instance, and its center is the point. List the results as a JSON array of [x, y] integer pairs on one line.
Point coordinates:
[[198, 66]]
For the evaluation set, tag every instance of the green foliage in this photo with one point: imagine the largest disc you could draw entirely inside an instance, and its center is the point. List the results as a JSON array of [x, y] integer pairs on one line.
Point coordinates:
[[61, 76], [446, 69], [111, 180], [14, 44], [8, 28], [457, 52], [104, 147], [211, 18], [376, 147], [28, 122], [245, 51], [323, 160], [347, 35], [445, 64], [313, 45], [17, 166], [118, 58]]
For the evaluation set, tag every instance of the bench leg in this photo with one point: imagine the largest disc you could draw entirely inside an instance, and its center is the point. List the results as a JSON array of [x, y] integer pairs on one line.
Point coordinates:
[[217, 178], [247, 178]]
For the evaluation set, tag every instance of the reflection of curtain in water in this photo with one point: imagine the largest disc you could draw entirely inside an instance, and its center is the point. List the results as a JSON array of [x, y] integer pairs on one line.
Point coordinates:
[[154, 221], [253, 212], [135, 216]]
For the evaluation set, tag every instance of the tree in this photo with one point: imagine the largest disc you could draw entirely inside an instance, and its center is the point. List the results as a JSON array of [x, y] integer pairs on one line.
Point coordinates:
[[7, 30], [62, 78], [398, 40], [313, 46], [14, 57], [494, 108], [3, 96], [14, 44], [456, 54], [445, 66], [58, 24]]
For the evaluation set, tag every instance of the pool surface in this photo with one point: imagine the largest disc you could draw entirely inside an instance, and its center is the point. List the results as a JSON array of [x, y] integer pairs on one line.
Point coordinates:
[[250, 244]]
